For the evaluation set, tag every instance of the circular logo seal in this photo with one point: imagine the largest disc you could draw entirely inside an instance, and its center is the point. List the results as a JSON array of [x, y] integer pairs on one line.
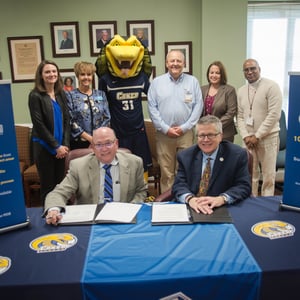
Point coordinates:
[[5, 264], [273, 229], [53, 242]]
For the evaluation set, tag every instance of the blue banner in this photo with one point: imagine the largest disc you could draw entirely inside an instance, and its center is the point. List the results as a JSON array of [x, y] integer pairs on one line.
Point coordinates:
[[291, 190], [12, 204]]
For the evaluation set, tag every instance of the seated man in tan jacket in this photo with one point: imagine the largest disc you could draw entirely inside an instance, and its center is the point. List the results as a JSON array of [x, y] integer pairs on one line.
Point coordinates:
[[86, 177]]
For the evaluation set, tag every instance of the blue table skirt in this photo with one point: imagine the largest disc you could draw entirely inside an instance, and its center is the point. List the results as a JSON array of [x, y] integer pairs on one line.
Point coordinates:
[[140, 261], [32, 276], [278, 258]]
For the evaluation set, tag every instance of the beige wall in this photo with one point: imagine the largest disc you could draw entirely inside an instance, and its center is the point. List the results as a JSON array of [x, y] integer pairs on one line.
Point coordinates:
[[217, 29]]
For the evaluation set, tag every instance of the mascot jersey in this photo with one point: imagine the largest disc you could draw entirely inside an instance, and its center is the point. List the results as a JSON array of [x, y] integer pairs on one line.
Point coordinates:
[[125, 102], [124, 67]]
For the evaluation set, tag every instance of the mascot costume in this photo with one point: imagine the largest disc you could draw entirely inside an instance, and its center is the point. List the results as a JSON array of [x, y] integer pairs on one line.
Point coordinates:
[[124, 67]]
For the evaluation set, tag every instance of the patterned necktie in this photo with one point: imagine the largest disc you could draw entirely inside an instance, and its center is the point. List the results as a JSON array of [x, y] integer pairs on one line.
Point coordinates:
[[205, 179], [108, 185]]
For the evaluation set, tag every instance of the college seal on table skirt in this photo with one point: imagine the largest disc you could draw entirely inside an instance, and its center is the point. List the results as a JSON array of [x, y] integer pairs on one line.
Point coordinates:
[[273, 229], [53, 242], [5, 264]]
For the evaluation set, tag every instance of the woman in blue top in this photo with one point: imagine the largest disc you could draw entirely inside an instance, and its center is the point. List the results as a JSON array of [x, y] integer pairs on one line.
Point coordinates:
[[88, 107], [51, 126]]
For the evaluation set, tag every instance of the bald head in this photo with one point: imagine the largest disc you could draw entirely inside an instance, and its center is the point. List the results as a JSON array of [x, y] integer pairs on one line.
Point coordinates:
[[103, 133]]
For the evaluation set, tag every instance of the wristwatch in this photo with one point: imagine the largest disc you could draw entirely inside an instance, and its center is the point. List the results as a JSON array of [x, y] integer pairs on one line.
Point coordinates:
[[225, 198], [188, 198]]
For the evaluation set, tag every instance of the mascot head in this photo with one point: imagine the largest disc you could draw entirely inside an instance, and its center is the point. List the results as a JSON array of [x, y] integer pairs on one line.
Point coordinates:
[[124, 58]]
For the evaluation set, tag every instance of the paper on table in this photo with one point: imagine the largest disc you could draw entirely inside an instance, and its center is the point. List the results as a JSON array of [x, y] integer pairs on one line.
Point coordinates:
[[79, 213], [168, 213], [118, 212]]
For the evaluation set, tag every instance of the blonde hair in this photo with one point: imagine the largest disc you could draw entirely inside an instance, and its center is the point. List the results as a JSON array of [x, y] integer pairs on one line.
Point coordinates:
[[84, 67]]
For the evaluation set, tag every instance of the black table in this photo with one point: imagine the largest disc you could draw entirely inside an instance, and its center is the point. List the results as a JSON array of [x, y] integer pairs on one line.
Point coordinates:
[[141, 261]]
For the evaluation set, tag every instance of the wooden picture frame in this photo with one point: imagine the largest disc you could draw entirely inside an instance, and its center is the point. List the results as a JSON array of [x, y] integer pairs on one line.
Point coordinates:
[[64, 73], [65, 39], [25, 54], [96, 30], [186, 48], [143, 27]]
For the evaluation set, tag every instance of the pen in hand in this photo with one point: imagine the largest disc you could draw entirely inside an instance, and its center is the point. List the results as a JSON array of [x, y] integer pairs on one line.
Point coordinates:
[[53, 218]]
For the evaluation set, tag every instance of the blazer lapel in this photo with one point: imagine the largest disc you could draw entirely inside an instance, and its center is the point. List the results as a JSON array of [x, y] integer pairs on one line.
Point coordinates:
[[196, 172], [218, 164], [94, 178], [124, 177]]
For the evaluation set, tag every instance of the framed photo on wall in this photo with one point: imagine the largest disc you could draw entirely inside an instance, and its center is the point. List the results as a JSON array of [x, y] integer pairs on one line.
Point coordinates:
[[186, 48], [101, 33], [144, 31], [69, 79], [65, 39], [25, 54]]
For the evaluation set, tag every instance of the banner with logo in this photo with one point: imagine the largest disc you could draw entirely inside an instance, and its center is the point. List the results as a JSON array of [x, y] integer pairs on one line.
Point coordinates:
[[12, 204], [291, 192]]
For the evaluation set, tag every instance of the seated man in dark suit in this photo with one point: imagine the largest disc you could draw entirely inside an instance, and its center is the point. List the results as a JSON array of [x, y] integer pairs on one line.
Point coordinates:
[[86, 177], [228, 179]]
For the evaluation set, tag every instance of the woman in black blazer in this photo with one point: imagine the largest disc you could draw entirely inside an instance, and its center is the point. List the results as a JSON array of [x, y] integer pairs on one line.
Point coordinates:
[[51, 126]]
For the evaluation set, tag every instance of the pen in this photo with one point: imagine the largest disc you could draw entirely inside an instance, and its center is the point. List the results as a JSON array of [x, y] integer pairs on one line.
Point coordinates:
[[50, 217]]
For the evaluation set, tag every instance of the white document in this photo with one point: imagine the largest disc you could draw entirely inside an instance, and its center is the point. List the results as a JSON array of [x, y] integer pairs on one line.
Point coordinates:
[[170, 213], [118, 212], [79, 213]]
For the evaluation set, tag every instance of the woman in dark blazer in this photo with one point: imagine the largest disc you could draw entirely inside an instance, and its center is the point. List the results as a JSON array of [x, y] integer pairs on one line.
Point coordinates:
[[51, 126], [220, 99]]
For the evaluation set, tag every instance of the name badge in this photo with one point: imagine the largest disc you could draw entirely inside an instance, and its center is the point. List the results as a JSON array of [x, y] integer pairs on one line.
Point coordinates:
[[250, 121], [188, 97]]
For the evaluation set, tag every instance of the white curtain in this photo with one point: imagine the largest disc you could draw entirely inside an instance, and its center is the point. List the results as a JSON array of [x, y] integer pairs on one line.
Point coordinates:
[[273, 39]]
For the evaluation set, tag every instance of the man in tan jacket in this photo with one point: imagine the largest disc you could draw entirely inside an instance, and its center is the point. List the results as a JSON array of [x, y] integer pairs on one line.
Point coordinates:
[[259, 109], [86, 177]]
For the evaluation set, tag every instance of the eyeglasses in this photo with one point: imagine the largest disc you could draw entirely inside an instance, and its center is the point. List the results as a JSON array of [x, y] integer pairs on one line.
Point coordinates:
[[210, 136], [104, 145], [250, 69]]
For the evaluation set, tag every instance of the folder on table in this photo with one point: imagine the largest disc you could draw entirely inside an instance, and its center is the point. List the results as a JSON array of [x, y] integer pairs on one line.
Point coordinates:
[[112, 212], [180, 213]]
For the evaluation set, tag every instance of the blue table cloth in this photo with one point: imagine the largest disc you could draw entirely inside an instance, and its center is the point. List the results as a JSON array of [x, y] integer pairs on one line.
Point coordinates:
[[140, 261]]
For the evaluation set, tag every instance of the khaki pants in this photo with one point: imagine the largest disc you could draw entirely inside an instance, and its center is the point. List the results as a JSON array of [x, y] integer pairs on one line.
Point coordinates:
[[264, 165], [167, 149]]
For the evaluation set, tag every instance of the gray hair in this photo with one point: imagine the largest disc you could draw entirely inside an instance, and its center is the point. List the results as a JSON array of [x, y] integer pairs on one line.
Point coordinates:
[[211, 119]]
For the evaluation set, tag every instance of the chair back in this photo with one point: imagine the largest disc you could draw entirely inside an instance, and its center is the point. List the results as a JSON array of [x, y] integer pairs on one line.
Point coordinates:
[[23, 144], [76, 153], [150, 131], [283, 131], [280, 161], [154, 170]]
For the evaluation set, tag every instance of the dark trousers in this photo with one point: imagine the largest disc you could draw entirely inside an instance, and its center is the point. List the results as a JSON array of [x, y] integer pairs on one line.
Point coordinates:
[[51, 170]]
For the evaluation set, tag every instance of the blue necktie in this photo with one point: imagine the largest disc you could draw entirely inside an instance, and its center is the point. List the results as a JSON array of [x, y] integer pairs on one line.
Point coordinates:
[[108, 185]]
